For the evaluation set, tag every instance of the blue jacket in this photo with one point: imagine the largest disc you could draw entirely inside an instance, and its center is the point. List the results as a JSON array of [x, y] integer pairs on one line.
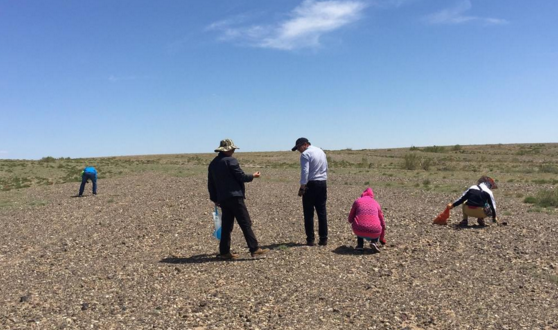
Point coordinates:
[[89, 169]]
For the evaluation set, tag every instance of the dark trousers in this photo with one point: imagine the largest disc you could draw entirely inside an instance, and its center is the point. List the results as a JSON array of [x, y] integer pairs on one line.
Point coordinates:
[[88, 176], [360, 241], [235, 208], [315, 197]]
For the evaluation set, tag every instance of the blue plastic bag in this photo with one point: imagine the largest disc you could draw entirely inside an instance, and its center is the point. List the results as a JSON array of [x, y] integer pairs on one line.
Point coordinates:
[[217, 221]]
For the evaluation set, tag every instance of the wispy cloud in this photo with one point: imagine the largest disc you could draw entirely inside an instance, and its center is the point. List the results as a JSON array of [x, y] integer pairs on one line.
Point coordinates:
[[303, 29], [457, 15], [4, 152]]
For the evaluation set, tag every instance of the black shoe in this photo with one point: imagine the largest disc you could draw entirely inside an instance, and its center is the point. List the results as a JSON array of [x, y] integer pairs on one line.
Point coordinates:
[[464, 223], [374, 247], [359, 248], [310, 242], [323, 241]]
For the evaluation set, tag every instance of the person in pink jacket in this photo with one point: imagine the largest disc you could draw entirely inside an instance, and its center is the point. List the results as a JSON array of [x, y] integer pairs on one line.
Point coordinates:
[[367, 221]]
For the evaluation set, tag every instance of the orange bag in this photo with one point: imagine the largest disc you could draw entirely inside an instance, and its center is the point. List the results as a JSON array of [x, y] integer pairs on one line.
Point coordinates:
[[442, 218]]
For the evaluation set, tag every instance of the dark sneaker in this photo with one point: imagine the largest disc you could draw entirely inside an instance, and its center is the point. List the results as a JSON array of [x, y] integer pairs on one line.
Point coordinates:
[[374, 248], [359, 249], [322, 242], [259, 252], [227, 256], [464, 223], [481, 222], [310, 242]]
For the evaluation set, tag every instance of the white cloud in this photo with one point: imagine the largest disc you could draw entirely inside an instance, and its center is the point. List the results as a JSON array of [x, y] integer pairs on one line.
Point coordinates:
[[4, 152], [307, 23], [456, 15]]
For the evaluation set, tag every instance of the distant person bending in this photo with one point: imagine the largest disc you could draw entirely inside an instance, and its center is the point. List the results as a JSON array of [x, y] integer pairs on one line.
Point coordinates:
[[367, 221], [88, 173], [225, 182], [478, 202], [313, 189]]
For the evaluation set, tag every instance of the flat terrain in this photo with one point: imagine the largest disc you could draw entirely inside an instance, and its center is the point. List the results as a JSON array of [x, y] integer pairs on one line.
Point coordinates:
[[140, 255]]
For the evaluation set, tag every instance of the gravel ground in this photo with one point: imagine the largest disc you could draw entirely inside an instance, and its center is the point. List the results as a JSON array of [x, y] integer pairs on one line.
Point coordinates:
[[140, 256]]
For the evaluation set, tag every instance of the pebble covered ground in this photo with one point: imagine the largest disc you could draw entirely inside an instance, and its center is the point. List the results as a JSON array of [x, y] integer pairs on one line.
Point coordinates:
[[140, 255]]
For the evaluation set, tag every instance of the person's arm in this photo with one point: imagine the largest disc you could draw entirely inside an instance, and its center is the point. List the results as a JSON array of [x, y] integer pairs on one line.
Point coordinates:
[[304, 169], [383, 223], [461, 199], [492, 204], [211, 188], [238, 173], [352, 213]]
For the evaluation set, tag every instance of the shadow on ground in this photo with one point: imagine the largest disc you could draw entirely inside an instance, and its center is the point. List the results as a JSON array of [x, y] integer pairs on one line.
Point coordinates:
[[349, 250], [201, 258]]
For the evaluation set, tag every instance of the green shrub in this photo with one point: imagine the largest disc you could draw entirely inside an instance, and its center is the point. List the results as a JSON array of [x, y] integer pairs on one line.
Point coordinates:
[[411, 161], [548, 168], [47, 159], [530, 200], [456, 147], [434, 149], [426, 163], [544, 198]]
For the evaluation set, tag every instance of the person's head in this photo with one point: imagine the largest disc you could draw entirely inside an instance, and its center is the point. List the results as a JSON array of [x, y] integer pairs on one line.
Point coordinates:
[[301, 145], [227, 147], [490, 183]]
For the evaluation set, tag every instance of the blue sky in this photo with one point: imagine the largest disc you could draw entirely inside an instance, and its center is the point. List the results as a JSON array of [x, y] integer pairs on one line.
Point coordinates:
[[119, 77]]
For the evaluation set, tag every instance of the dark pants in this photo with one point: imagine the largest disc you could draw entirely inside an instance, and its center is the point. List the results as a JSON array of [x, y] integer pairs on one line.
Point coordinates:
[[88, 176], [235, 208], [315, 197], [360, 241]]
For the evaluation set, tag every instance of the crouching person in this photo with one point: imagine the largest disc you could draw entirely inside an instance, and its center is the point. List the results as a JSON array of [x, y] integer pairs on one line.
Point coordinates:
[[367, 221], [88, 173], [478, 202]]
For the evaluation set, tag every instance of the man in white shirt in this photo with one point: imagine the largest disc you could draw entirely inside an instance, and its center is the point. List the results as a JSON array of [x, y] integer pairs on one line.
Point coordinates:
[[313, 189]]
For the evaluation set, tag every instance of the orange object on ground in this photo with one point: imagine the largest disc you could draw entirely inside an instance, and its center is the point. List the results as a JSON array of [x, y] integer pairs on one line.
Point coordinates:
[[442, 218]]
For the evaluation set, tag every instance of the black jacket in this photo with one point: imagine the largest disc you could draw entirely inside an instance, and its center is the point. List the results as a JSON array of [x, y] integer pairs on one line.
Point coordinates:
[[226, 179]]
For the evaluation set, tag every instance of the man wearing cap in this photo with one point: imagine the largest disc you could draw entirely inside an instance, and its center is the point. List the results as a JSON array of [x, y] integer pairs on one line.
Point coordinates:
[[313, 188], [226, 189]]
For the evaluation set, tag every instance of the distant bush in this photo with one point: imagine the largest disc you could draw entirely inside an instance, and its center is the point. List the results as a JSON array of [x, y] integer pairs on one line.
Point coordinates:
[[413, 148], [426, 163], [47, 159], [548, 168], [434, 149], [456, 147], [411, 161], [544, 198]]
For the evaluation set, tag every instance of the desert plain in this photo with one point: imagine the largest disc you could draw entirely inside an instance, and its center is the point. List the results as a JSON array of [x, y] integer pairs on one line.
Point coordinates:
[[140, 254]]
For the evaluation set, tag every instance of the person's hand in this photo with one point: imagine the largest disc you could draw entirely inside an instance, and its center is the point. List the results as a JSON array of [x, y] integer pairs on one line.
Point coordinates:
[[383, 241], [450, 206], [217, 205], [257, 174], [302, 190], [496, 220]]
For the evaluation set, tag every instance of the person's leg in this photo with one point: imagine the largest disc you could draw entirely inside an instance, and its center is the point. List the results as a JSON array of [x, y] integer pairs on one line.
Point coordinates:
[[245, 223], [321, 210], [94, 180], [227, 225], [465, 221], [481, 222], [360, 243], [82, 186], [308, 210]]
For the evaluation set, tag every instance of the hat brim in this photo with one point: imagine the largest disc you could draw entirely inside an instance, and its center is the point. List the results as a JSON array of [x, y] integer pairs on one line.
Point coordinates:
[[225, 149]]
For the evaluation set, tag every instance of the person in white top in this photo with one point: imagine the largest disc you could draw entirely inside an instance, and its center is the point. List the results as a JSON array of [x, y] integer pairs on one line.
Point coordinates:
[[313, 189]]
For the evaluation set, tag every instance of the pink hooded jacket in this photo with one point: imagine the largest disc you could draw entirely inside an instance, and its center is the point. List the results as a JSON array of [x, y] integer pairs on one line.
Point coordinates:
[[366, 216]]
